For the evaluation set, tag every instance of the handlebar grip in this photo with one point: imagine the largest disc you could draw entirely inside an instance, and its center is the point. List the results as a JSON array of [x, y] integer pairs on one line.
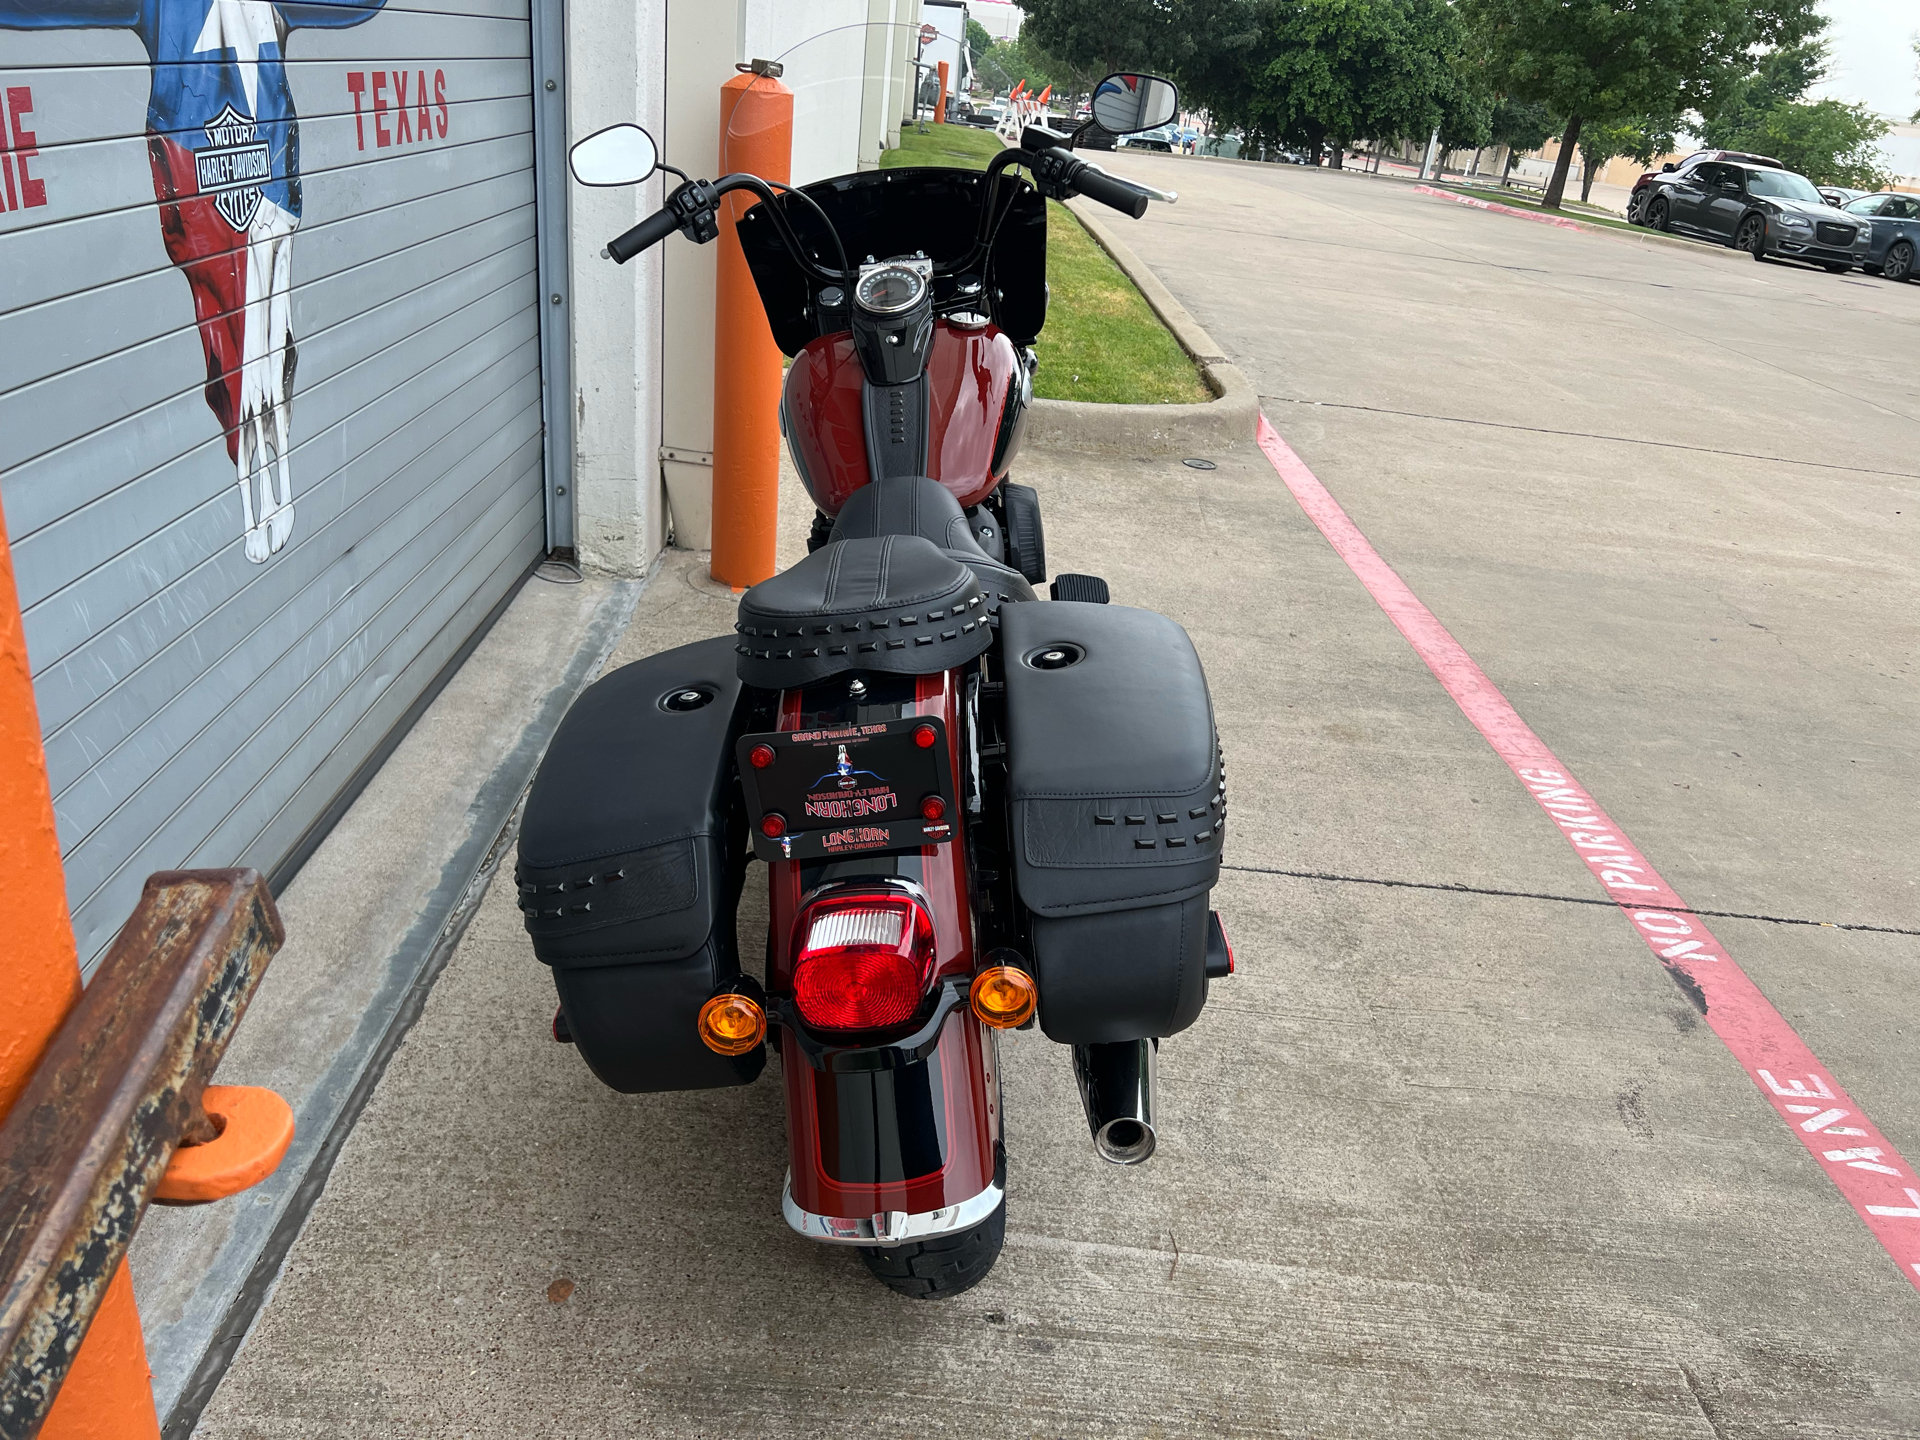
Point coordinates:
[[1110, 190], [650, 231]]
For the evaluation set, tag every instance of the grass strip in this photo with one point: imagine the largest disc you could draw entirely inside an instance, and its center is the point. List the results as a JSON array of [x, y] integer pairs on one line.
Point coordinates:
[[1570, 210], [1102, 343]]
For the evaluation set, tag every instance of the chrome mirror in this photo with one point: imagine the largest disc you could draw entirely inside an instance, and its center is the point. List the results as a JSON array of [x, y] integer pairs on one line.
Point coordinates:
[[618, 155], [1127, 104]]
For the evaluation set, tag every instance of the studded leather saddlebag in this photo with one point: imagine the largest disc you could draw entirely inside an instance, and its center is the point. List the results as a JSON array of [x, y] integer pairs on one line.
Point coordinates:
[[1118, 806], [632, 853]]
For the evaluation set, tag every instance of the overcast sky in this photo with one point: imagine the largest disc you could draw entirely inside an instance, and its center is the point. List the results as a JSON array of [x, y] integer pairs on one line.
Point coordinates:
[[1873, 54]]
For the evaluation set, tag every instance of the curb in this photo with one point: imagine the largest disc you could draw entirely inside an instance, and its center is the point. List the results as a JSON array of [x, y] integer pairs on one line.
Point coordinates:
[[242, 1274], [1228, 420]]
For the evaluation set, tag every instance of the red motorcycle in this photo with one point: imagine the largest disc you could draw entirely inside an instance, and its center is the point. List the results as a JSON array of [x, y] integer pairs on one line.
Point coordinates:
[[977, 809]]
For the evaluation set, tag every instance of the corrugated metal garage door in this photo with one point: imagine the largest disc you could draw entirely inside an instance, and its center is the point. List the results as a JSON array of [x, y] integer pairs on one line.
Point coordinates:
[[295, 240]]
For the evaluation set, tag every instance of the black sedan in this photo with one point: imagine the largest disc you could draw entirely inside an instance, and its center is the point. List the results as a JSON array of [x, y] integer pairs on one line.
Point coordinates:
[[1896, 233], [1768, 213]]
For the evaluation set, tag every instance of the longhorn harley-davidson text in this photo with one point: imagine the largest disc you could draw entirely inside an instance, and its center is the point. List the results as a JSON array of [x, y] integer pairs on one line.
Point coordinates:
[[976, 808]]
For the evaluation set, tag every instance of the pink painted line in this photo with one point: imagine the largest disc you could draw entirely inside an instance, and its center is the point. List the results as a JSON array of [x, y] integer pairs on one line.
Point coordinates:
[[1494, 205], [1856, 1157]]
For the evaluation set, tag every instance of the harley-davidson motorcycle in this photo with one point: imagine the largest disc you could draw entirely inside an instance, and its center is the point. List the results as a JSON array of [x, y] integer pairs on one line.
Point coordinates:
[[977, 808]]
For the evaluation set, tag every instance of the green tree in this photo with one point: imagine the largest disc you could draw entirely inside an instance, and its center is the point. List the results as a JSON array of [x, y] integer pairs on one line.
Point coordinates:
[[1318, 74], [1008, 62], [1643, 138], [1520, 125], [1829, 142], [979, 41], [1608, 59], [1764, 110], [1739, 97], [1100, 35]]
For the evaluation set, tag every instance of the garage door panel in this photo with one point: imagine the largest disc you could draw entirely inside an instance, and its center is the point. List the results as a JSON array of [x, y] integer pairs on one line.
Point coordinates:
[[115, 175], [97, 252], [87, 613], [146, 383], [468, 343], [419, 37], [188, 684], [77, 327], [388, 701], [208, 678], [386, 707], [315, 583], [278, 714]]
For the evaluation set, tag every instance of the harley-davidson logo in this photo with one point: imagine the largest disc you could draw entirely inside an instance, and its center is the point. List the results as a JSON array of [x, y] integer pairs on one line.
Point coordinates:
[[233, 167]]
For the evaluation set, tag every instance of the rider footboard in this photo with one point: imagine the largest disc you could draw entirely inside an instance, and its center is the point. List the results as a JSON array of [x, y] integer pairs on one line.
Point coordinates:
[[1118, 804], [632, 853]]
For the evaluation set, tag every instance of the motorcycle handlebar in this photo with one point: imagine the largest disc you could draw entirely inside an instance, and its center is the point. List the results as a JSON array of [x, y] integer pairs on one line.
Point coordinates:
[[1108, 189], [650, 231]]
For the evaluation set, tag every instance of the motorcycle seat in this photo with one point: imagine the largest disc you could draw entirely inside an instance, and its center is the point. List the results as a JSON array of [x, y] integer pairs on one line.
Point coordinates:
[[918, 505], [892, 603]]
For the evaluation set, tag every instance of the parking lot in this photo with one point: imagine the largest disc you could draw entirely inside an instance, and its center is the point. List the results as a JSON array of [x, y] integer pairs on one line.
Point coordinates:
[[1452, 1155]]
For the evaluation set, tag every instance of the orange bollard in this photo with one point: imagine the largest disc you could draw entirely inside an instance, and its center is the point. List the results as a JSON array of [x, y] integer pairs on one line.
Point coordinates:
[[756, 137], [940, 105], [107, 1394]]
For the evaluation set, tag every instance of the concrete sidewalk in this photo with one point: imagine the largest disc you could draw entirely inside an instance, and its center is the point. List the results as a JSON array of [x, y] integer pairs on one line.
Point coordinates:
[[1435, 1162]]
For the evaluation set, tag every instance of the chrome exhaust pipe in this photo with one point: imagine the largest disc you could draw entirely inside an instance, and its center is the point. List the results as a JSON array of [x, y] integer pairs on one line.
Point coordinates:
[[1116, 1087]]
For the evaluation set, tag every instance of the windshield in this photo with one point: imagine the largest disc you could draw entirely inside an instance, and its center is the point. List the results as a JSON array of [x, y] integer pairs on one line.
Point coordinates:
[[886, 177], [1782, 185]]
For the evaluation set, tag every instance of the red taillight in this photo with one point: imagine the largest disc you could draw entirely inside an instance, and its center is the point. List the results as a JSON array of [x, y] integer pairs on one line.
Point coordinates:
[[862, 961]]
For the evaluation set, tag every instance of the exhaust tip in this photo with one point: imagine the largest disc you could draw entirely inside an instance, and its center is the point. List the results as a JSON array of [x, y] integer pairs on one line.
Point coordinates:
[[1116, 1087], [1124, 1142]]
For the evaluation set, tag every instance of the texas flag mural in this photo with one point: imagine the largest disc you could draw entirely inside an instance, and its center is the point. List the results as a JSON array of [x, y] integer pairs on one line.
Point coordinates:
[[225, 146]]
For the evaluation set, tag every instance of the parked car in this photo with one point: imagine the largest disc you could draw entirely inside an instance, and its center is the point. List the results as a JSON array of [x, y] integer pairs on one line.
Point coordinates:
[[1163, 138], [1699, 157], [1226, 146], [1896, 233], [1839, 196], [986, 116], [1764, 210]]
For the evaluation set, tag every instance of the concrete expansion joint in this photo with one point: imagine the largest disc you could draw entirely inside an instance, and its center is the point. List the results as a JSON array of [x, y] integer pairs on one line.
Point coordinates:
[[1460, 888], [1223, 423]]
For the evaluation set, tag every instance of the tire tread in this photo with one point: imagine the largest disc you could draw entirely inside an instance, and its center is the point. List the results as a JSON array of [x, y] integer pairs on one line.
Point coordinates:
[[936, 1269]]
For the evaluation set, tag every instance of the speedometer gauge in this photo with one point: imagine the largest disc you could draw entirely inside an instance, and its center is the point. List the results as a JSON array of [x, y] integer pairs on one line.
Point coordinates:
[[889, 289]]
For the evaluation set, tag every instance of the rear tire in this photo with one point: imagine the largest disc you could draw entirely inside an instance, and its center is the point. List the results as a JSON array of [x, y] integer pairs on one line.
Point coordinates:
[[936, 1269]]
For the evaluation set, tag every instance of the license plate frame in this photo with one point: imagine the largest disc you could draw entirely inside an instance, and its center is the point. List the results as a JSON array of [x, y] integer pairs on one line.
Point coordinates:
[[850, 788]]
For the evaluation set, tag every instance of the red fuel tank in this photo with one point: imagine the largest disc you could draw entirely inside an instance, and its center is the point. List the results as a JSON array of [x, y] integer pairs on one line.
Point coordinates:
[[978, 401]]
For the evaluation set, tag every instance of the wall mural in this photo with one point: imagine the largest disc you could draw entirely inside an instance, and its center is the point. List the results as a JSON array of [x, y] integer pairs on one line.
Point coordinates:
[[225, 146]]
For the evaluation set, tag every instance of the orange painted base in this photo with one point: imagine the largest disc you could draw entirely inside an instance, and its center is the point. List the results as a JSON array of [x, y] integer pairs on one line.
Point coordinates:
[[108, 1393], [259, 1127]]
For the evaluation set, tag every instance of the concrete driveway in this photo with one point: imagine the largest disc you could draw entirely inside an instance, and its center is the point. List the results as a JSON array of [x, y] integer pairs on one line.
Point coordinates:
[[1438, 1161]]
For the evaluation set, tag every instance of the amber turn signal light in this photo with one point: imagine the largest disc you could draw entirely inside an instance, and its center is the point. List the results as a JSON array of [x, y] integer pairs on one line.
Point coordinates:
[[732, 1024], [1003, 996]]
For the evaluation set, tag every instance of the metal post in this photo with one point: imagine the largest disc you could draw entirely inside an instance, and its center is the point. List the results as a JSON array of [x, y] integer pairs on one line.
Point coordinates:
[[756, 137], [1426, 163]]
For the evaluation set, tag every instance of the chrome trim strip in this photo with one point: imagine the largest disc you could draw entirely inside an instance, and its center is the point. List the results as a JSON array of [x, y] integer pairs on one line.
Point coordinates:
[[889, 1227]]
